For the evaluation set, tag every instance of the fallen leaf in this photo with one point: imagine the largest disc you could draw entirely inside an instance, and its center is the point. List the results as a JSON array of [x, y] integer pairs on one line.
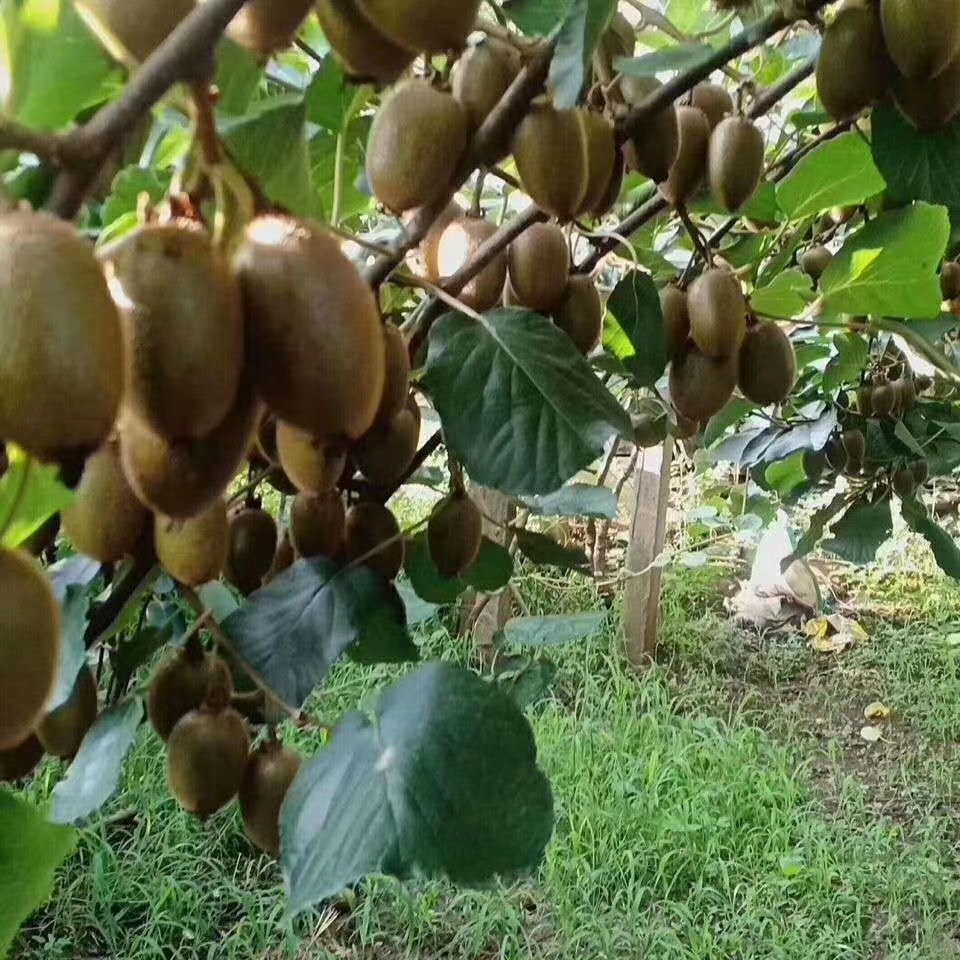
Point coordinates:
[[876, 711], [871, 734]]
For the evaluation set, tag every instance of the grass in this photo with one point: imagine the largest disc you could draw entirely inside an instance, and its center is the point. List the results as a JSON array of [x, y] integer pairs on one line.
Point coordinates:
[[720, 805]]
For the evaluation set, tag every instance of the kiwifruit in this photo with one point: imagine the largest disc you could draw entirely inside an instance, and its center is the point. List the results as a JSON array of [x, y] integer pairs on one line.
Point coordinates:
[[714, 100], [105, 519], [454, 534], [718, 313], [701, 385], [481, 77], [905, 392], [132, 31], [415, 143], [267, 776], [253, 545], [423, 26], [611, 193], [580, 313], [683, 427], [362, 50], [313, 465], [265, 26], [458, 244], [20, 761], [396, 384], [317, 524], [688, 170], [539, 266], [930, 104], [883, 401], [653, 150], [62, 730], [372, 527], [193, 551], [865, 401], [921, 38], [431, 242], [182, 479], [206, 755], [29, 645], [813, 463], [950, 280], [649, 430], [386, 451], [61, 365], [182, 684], [815, 261], [921, 471], [904, 483], [265, 438], [676, 319], [602, 154], [854, 444], [853, 68], [923, 382], [183, 325], [735, 161], [283, 559], [618, 40], [544, 135], [768, 364]]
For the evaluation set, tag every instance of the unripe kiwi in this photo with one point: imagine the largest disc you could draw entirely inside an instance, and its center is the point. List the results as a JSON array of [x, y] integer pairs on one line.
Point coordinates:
[[481, 77], [61, 361], [454, 534], [20, 761], [105, 519], [930, 104], [701, 385], [267, 776], [905, 392], [314, 337], [853, 68], [718, 313], [416, 141], [883, 401], [855, 445], [372, 527], [652, 151], [457, 245], [649, 430], [386, 451], [62, 730], [29, 645], [813, 463], [193, 551], [690, 167], [580, 313], [676, 319], [312, 465], [865, 401], [317, 524], [815, 262], [921, 471], [768, 364], [735, 161], [950, 280], [602, 155], [618, 40], [836, 455], [423, 26], [396, 384], [921, 38], [539, 266], [362, 50], [132, 31], [265, 26], [714, 100], [183, 325], [253, 545], [903, 483], [613, 189]]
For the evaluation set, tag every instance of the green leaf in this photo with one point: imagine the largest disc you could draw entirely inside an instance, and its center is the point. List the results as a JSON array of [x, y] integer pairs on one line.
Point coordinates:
[[30, 852], [329, 97], [733, 412], [441, 781], [818, 523], [680, 57], [903, 434], [635, 305], [861, 531], [889, 266], [575, 500], [785, 476], [520, 407], [125, 191], [839, 172], [544, 550], [73, 650], [134, 652], [30, 494], [355, 196], [551, 631], [850, 360], [945, 548], [526, 680], [292, 631], [95, 772], [567, 69], [785, 298], [238, 77], [491, 571], [537, 18], [384, 646]]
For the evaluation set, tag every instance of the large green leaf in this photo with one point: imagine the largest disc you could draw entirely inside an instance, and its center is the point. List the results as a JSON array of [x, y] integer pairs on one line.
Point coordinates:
[[491, 571], [678, 57], [635, 305], [30, 852], [554, 631], [848, 363], [576, 500], [442, 780], [861, 531], [818, 523], [73, 650], [889, 266], [238, 76], [30, 494], [785, 298], [537, 17], [545, 551], [945, 548], [520, 407]]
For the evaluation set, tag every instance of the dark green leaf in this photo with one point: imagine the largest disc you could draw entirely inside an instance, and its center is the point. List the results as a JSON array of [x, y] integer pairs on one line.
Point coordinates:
[[541, 549], [818, 523], [786, 297], [848, 364], [30, 494], [735, 410], [418, 610], [73, 650], [680, 57], [786, 475], [945, 548], [551, 631], [567, 69], [635, 305], [576, 500], [804, 436], [441, 781], [861, 531], [903, 434], [135, 652], [527, 680], [491, 571], [537, 18], [238, 76]]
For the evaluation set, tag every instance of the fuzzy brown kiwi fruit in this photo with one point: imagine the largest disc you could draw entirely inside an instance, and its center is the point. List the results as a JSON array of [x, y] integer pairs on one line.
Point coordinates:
[[396, 384], [950, 280], [105, 519], [905, 391], [613, 189], [701, 385], [676, 319], [193, 551], [481, 77], [815, 261], [921, 38], [653, 150], [768, 364], [364, 53], [253, 545], [182, 683], [62, 730], [313, 465], [386, 451], [369, 526], [61, 364], [580, 313], [20, 761], [428, 249], [854, 444], [649, 430], [714, 100], [458, 244], [688, 170], [317, 524], [454, 534], [265, 26], [183, 325], [865, 401], [602, 154], [265, 438], [904, 483], [415, 143], [683, 427], [132, 31], [813, 464], [544, 135], [267, 776], [314, 337], [29, 645], [618, 40], [539, 267], [423, 26], [853, 68], [883, 400], [930, 104], [921, 471], [718, 312], [735, 161]]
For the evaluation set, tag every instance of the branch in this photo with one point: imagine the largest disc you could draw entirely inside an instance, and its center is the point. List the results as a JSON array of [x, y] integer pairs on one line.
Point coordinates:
[[45, 146]]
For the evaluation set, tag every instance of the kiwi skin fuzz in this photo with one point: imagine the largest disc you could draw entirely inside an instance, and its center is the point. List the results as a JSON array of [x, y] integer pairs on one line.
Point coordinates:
[[369, 526], [62, 730], [193, 551], [539, 265], [700, 385], [454, 534], [718, 311], [768, 364], [267, 776]]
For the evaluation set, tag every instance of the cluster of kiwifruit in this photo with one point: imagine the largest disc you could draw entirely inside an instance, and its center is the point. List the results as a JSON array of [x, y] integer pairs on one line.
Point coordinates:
[[907, 49], [883, 398]]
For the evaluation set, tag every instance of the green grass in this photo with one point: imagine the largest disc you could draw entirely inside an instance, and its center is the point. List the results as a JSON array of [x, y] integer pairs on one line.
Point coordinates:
[[702, 813]]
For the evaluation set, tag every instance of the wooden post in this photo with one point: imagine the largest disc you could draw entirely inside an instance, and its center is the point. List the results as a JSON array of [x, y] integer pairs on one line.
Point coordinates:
[[641, 602]]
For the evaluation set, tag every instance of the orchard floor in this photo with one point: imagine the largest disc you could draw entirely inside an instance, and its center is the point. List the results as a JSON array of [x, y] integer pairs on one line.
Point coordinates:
[[721, 805]]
